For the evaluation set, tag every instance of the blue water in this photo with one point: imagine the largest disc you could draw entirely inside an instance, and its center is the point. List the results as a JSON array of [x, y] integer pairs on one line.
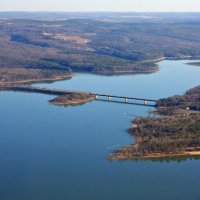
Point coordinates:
[[53, 152], [174, 77]]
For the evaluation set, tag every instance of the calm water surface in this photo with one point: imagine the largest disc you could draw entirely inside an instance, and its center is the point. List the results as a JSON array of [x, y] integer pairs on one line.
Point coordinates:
[[58, 153]]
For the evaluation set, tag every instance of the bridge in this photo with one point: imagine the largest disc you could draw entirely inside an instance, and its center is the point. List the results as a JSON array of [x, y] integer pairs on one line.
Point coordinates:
[[57, 92], [125, 98]]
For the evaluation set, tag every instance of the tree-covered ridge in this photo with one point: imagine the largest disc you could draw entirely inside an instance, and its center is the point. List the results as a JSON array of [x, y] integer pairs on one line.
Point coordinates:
[[190, 100], [98, 45], [22, 75]]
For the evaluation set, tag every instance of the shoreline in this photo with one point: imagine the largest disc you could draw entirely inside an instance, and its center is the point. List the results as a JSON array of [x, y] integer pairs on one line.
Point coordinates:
[[63, 97], [106, 73], [156, 60], [36, 81], [118, 73], [71, 102], [131, 72], [81, 100], [156, 155], [174, 133]]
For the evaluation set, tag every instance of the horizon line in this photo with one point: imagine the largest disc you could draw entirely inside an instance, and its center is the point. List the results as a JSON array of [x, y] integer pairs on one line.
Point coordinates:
[[74, 11]]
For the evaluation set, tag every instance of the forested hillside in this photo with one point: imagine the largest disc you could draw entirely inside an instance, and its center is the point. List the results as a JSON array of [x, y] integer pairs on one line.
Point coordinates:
[[109, 44]]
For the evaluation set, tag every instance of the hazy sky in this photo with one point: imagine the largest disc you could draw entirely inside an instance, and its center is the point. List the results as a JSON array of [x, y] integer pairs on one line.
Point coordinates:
[[99, 5]]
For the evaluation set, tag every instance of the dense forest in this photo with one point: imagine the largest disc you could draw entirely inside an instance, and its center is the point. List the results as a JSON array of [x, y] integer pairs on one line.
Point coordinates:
[[175, 132], [96, 43], [24, 75], [190, 100]]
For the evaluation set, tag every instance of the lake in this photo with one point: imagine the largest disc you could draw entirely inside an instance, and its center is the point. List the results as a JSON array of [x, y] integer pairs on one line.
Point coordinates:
[[54, 152]]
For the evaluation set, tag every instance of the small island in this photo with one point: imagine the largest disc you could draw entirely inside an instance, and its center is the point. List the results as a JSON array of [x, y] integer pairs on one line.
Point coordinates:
[[175, 131], [72, 99]]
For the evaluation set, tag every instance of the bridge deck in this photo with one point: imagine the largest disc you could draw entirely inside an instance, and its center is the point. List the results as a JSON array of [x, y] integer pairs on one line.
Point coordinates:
[[125, 97]]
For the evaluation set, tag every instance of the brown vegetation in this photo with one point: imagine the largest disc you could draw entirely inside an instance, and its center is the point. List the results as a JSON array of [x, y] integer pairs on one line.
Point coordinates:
[[176, 132], [73, 38], [22, 75], [190, 100], [72, 99], [95, 46]]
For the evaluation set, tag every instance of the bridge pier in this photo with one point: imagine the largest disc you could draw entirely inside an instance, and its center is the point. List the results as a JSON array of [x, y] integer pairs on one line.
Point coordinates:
[[145, 102], [109, 98], [126, 100], [96, 97]]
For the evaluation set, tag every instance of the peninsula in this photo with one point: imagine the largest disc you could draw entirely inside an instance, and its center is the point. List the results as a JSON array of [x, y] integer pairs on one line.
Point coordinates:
[[64, 97], [175, 133], [72, 99]]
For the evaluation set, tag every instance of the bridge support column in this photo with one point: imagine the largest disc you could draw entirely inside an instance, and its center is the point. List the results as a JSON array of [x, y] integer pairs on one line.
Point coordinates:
[[96, 97], [145, 102], [126, 100], [109, 98]]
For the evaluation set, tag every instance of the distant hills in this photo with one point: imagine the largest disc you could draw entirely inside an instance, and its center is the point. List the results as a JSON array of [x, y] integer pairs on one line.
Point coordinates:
[[105, 43]]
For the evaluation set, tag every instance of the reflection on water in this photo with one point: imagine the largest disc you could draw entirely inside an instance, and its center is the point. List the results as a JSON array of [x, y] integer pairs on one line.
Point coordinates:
[[167, 159], [127, 103], [50, 152]]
